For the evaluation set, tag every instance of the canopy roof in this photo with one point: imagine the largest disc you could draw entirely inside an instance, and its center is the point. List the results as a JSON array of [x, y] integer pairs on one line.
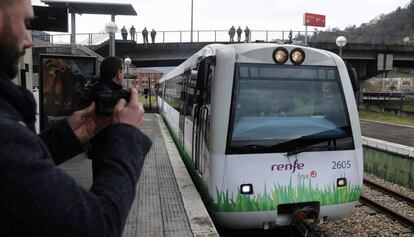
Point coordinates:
[[123, 9]]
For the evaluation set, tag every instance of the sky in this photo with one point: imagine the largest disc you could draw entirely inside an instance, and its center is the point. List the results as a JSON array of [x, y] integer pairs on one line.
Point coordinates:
[[167, 15]]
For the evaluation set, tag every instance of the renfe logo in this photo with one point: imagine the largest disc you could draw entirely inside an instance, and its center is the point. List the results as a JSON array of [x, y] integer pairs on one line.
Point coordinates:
[[293, 167]]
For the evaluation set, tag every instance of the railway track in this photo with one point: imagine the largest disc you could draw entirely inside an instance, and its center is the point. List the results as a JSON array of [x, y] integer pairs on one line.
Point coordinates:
[[385, 208]]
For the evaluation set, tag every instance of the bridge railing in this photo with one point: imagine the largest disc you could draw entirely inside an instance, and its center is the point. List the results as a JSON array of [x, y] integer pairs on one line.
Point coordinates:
[[397, 103], [87, 39], [91, 39], [216, 36]]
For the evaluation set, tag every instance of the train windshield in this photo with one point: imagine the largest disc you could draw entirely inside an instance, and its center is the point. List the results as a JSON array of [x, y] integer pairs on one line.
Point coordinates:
[[280, 108]]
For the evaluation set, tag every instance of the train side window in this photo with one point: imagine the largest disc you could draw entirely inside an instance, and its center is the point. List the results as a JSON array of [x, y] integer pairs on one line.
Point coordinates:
[[173, 92], [208, 87], [208, 103]]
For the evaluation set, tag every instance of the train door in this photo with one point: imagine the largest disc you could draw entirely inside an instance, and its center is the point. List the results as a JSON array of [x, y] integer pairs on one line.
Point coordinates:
[[201, 131]]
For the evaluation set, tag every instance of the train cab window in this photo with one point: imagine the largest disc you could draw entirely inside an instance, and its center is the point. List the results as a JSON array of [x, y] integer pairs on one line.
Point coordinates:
[[276, 108]]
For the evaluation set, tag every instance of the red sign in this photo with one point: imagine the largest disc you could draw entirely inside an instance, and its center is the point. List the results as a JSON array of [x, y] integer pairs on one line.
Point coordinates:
[[310, 19]]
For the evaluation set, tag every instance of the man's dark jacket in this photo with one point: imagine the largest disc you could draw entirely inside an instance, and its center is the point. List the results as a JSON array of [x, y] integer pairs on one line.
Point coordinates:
[[38, 199]]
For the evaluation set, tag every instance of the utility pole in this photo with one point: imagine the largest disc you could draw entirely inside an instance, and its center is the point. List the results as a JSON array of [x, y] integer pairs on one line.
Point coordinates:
[[191, 37], [149, 91]]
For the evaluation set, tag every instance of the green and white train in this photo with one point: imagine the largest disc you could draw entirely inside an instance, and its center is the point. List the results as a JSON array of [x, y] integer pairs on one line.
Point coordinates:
[[269, 132]]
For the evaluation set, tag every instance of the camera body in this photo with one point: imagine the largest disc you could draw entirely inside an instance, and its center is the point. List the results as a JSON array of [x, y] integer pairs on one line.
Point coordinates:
[[106, 101]]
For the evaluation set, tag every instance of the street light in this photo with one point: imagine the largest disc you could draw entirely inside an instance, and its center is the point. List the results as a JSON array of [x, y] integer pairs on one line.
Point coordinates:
[[111, 28], [341, 42], [127, 62]]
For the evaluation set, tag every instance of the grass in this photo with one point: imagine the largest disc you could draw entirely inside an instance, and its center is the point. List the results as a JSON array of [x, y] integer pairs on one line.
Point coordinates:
[[384, 117], [286, 194]]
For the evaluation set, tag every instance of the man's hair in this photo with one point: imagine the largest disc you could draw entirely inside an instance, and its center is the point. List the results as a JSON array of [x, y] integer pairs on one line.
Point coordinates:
[[109, 68]]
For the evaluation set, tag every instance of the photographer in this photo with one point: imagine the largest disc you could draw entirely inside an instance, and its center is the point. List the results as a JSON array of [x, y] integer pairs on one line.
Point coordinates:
[[36, 197], [110, 80]]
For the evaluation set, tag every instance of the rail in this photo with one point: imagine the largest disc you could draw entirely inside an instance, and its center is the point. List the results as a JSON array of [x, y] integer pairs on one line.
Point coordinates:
[[407, 221], [182, 36], [392, 214], [95, 38], [391, 192]]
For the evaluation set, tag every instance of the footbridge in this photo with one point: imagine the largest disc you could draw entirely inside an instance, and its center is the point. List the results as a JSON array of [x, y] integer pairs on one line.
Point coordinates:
[[171, 48]]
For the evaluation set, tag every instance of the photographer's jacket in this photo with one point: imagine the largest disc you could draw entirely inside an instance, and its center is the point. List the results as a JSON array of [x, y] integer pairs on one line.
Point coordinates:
[[38, 199]]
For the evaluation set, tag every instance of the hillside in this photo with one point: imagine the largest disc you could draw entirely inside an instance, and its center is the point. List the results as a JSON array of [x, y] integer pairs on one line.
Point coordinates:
[[391, 28]]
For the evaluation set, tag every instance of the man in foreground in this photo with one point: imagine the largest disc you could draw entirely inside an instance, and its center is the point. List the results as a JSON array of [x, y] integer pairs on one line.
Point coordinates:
[[37, 198]]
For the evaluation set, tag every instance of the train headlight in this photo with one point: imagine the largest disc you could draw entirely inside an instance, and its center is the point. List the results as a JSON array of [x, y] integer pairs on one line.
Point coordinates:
[[341, 182], [280, 55], [297, 56], [246, 189]]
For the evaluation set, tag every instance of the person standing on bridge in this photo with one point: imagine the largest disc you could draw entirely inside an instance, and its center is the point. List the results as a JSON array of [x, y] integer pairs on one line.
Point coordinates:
[[124, 33], [145, 35], [239, 33], [232, 32], [247, 35], [290, 37], [132, 32], [153, 34], [38, 198]]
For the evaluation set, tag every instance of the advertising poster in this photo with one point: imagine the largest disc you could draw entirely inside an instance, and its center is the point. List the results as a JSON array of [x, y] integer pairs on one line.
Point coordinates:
[[61, 78]]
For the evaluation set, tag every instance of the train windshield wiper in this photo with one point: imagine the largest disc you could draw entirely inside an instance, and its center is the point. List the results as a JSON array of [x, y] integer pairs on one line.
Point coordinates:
[[314, 148], [309, 143]]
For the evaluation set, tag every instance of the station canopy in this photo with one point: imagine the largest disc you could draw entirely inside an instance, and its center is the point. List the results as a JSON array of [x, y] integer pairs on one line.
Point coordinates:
[[104, 8]]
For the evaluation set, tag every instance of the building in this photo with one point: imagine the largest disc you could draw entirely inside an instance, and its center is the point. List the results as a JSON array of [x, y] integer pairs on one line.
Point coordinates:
[[145, 78]]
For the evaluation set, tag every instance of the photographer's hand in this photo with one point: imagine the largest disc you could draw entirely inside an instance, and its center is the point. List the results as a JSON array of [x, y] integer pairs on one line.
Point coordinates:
[[85, 124], [132, 113]]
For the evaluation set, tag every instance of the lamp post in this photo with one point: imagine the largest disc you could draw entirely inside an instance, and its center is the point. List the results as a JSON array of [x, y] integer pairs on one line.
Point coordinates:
[[341, 42], [127, 62], [149, 91], [111, 28]]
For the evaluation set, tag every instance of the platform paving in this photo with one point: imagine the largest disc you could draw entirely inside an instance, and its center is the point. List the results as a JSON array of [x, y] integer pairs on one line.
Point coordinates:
[[398, 134], [159, 208]]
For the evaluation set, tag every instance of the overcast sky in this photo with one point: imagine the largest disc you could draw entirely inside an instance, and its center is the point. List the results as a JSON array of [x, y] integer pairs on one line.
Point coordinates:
[[222, 14]]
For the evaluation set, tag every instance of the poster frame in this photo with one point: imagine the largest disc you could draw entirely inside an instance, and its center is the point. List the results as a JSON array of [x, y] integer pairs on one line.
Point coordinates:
[[42, 57]]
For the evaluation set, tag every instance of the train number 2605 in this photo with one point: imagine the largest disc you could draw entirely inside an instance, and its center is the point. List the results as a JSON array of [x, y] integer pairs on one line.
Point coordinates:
[[341, 165]]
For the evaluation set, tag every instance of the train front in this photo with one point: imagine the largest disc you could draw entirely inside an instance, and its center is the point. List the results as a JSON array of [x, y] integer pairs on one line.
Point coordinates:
[[292, 141]]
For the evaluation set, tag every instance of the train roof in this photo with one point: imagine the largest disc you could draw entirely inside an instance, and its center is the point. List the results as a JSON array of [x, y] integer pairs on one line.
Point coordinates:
[[244, 50]]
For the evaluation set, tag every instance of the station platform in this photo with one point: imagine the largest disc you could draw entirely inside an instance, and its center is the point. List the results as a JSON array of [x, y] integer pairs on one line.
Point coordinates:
[[166, 201], [399, 134]]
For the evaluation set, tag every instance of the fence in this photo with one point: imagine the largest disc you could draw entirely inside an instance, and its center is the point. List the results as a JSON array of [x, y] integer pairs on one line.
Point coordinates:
[[400, 104]]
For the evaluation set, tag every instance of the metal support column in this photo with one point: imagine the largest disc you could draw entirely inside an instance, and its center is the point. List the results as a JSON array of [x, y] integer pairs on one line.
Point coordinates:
[[73, 32]]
